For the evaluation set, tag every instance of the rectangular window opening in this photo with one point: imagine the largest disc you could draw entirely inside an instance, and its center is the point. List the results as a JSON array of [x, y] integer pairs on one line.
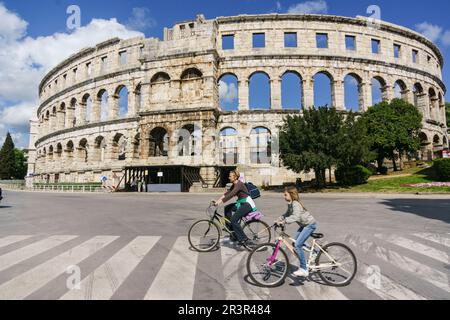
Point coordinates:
[[376, 46], [322, 40], [290, 40], [350, 43], [228, 42], [259, 40]]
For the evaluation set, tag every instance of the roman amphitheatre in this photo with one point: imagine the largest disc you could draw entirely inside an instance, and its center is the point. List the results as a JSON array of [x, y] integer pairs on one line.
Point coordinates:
[[150, 109]]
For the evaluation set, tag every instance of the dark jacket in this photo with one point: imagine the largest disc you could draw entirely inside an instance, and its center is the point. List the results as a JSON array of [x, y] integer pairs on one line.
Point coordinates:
[[239, 189]]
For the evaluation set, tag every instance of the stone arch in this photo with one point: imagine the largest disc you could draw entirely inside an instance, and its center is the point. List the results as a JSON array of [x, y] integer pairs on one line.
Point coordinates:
[[119, 147], [73, 107], [50, 152], [160, 88], [189, 137], [260, 145], [87, 108], [59, 150], [433, 103], [192, 85], [99, 149], [228, 92], [418, 95], [228, 144], [83, 150], [401, 90], [353, 94], [324, 89], [121, 95], [158, 142], [103, 100], [137, 146], [259, 91], [160, 77], [292, 96], [379, 89], [138, 97]]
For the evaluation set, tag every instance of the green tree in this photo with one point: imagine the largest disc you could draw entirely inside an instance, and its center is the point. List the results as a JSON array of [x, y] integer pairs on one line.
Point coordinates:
[[393, 129], [20, 165], [320, 139], [7, 159]]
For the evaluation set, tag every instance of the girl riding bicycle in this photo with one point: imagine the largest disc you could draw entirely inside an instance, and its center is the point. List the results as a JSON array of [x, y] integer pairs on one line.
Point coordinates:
[[242, 207], [297, 212]]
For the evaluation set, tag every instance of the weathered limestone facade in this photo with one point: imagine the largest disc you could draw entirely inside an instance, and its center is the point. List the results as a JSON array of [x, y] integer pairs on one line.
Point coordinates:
[[82, 130]]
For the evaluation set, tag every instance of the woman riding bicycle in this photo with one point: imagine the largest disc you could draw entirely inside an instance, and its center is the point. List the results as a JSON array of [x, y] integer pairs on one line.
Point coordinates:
[[242, 207], [296, 212]]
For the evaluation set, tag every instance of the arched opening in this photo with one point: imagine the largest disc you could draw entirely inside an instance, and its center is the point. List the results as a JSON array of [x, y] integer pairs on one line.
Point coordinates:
[[188, 140], [418, 92], [137, 146], [62, 120], [159, 143], [425, 154], [228, 92], [323, 89], [50, 153], [88, 108], [160, 88], [59, 150], [261, 146], [433, 102], [103, 98], [191, 85], [73, 107], [122, 96], [229, 146], [378, 90], [119, 147], [83, 150], [400, 90], [138, 98], [353, 92], [259, 91], [100, 149], [69, 152], [291, 91]]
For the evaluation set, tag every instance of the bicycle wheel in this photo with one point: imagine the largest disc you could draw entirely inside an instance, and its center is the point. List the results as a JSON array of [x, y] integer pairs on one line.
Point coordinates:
[[264, 273], [204, 235], [257, 231], [342, 270]]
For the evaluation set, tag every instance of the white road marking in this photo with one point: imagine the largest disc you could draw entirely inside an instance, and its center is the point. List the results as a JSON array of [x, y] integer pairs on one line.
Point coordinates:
[[14, 257], [416, 247], [436, 238], [388, 290], [234, 271], [25, 284], [311, 290], [435, 277], [176, 278], [106, 279], [6, 241]]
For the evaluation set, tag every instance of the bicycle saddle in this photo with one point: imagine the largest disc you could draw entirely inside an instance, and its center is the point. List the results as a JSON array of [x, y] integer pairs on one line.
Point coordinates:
[[317, 235]]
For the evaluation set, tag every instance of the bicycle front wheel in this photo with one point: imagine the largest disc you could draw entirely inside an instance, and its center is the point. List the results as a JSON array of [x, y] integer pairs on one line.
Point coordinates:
[[266, 269], [204, 235], [257, 231], [337, 266]]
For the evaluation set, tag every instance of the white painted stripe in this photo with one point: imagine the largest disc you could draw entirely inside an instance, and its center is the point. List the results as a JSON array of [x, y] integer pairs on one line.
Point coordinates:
[[25, 284], [436, 238], [435, 277], [311, 290], [6, 241], [14, 257], [176, 278], [106, 279], [415, 246], [387, 289], [234, 271]]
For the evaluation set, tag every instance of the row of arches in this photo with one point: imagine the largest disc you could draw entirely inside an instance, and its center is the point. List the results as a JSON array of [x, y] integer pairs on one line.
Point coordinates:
[[188, 144], [325, 91]]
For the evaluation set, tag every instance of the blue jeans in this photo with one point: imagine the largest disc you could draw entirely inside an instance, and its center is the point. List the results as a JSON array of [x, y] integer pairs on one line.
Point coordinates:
[[302, 235]]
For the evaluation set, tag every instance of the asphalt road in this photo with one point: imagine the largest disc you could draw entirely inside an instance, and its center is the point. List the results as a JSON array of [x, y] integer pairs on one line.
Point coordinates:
[[133, 246]]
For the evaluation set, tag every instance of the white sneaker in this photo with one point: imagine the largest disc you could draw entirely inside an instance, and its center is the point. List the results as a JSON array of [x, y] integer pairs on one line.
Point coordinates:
[[301, 273]]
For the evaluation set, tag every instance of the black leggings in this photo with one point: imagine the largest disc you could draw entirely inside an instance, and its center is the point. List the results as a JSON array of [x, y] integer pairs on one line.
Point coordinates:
[[235, 219]]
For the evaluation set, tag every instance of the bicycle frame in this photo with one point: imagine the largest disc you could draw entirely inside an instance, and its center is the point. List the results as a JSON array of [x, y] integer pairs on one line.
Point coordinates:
[[287, 240]]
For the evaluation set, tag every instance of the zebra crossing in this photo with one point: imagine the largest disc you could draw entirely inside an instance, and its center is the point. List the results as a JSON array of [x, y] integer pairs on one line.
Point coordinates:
[[390, 267]]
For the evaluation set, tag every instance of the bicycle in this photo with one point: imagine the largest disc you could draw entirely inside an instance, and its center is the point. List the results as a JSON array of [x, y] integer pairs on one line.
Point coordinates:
[[270, 261], [205, 235]]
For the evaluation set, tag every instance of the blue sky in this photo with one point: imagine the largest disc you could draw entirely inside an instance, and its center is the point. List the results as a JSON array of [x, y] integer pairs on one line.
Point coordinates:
[[32, 24]]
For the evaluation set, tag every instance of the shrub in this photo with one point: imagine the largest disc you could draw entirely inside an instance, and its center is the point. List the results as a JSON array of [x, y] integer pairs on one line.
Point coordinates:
[[442, 169], [352, 176], [383, 170]]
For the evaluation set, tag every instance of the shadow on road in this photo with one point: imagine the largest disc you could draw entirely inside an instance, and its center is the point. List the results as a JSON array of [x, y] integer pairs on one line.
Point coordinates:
[[436, 209], [5, 207]]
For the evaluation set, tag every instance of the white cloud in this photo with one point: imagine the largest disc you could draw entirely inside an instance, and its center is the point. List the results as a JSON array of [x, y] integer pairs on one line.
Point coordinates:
[[446, 38], [431, 31], [309, 7], [227, 92], [278, 3], [141, 19], [25, 60]]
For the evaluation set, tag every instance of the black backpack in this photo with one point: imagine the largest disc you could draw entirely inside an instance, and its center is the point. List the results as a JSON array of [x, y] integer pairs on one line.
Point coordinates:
[[253, 190]]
